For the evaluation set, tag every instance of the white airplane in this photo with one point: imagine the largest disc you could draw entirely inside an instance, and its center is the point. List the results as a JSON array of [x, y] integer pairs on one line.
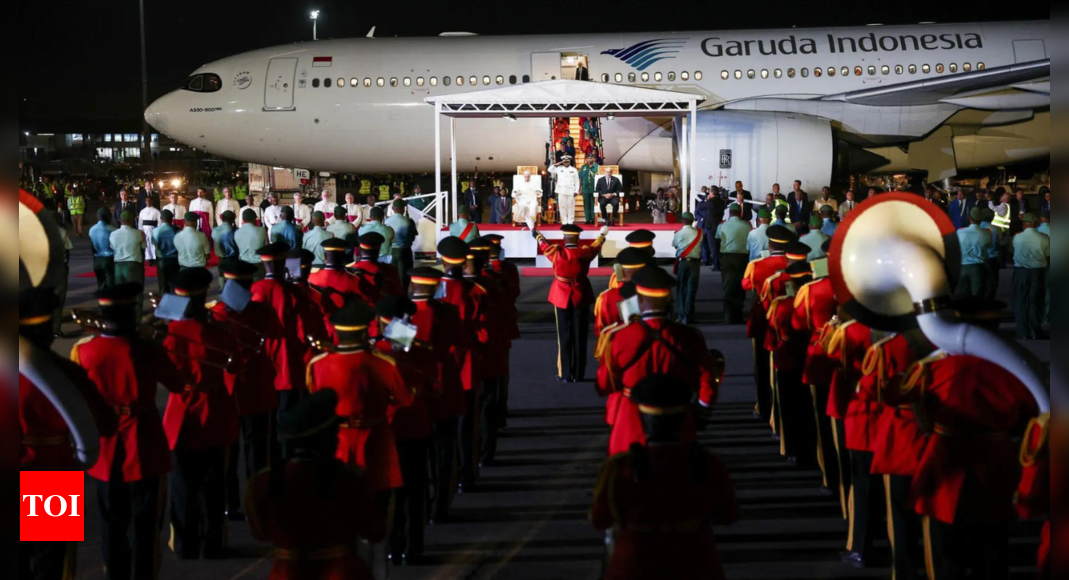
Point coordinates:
[[785, 104]]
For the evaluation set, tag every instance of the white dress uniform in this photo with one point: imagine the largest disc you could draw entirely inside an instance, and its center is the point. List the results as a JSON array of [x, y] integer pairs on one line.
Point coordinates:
[[327, 207], [365, 211], [224, 206], [567, 188], [148, 220], [527, 201], [259, 214], [179, 212], [302, 215], [355, 214], [272, 216], [203, 206]]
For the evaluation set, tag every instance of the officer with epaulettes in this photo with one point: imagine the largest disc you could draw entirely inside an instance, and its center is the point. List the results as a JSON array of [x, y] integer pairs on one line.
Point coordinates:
[[509, 276], [495, 356]]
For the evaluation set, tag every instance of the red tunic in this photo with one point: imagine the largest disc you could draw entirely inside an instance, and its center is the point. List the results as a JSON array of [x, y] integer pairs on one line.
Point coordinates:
[[848, 346], [571, 268], [653, 346], [315, 521], [311, 323], [253, 388], [498, 324], [814, 308], [204, 416], [665, 521], [126, 375], [607, 310], [383, 278], [419, 371], [437, 324], [336, 285], [510, 278], [370, 389], [757, 273], [970, 469], [897, 438], [286, 353], [473, 333]]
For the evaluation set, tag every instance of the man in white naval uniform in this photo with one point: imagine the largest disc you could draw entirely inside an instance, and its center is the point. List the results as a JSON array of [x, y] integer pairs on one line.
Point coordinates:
[[567, 188]]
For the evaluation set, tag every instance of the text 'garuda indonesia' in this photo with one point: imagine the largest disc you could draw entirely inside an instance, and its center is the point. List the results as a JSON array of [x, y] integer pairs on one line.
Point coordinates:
[[715, 47]]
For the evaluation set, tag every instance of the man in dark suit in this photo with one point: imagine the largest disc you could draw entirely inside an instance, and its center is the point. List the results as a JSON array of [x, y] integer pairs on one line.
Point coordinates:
[[146, 192], [959, 210], [798, 190], [582, 73], [741, 196], [712, 210], [474, 203], [608, 191], [124, 204], [801, 209]]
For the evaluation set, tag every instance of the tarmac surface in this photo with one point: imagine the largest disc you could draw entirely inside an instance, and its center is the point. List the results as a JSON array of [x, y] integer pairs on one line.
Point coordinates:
[[528, 518]]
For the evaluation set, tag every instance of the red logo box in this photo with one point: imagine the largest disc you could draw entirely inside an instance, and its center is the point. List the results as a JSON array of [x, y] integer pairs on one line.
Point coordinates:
[[53, 506]]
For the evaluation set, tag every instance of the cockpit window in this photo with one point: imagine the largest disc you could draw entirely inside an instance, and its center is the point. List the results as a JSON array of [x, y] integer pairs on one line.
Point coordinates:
[[205, 83]]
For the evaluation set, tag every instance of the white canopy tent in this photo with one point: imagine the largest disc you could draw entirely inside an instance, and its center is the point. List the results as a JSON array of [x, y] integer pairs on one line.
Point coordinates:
[[566, 98]]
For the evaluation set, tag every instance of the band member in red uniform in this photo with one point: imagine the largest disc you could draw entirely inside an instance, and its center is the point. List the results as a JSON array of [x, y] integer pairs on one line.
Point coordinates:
[[333, 282], [797, 427], [471, 344], [607, 307], [664, 497], [898, 443], [641, 240], [509, 276], [253, 388], [412, 427], [201, 424], [757, 273], [654, 345], [374, 274], [312, 320], [495, 356], [965, 483], [133, 461], [286, 352], [1040, 475], [312, 508], [44, 437], [437, 323], [370, 389], [814, 307], [571, 296]]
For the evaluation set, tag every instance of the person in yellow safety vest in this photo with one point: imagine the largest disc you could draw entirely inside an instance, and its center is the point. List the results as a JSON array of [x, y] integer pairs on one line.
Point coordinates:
[[365, 187], [219, 193], [384, 193], [76, 206], [241, 192]]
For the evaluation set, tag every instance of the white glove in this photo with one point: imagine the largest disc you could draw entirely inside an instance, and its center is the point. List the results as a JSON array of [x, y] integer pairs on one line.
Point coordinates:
[[530, 224], [604, 231]]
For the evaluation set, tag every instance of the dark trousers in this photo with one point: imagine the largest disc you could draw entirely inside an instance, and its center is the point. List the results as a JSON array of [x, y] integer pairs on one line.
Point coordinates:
[[402, 259], [410, 513], [903, 527], [687, 290], [733, 267], [573, 324], [198, 503], [493, 417], [952, 550], [286, 400], [47, 560], [867, 504], [614, 203], [762, 371], [971, 283], [130, 273], [255, 445], [1029, 301], [994, 269], [710, 249], [588, 208], [61, 301], [443, 468], [131, 514], [826, 454], [468, 439], [166, 270], [799, 431], [104, 268]]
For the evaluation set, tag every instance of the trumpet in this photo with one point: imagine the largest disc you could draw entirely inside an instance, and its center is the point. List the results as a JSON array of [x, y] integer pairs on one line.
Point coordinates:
[[322, 344], [92, 322]]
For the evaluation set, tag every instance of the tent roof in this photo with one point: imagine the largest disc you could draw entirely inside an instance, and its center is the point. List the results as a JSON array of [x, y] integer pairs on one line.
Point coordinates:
[[563, 98]]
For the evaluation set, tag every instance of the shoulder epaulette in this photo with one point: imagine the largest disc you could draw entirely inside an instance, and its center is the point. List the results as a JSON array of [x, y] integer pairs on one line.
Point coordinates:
[[838, 341], [384, 357], [750, 270], [768, 285], [605, 340], [75, 357], [308, 373], [801, 300], [919, 373], [211, 305]]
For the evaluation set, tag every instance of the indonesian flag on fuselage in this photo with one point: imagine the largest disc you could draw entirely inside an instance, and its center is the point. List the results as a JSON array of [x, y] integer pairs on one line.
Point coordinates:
[[324, 61]]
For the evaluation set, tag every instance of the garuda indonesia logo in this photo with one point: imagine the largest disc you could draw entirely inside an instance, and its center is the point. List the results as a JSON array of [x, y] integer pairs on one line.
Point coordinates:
[[645, 54]]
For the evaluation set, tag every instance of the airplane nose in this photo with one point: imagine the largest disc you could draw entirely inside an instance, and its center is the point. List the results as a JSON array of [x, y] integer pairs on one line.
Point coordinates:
[[160, 113]]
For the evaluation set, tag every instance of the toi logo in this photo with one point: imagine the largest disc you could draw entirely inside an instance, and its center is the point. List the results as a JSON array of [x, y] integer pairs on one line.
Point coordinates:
[[53, 506]]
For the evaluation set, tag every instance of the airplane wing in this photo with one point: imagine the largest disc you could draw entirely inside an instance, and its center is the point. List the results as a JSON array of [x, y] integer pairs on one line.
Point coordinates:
[[960, 88]]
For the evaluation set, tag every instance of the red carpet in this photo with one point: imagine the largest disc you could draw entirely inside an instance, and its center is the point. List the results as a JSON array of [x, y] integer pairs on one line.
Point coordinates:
[[151, 272], [548, 272], [490, 228]]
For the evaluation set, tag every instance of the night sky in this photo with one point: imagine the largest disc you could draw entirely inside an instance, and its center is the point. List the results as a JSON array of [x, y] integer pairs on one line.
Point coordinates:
[[80, 61]]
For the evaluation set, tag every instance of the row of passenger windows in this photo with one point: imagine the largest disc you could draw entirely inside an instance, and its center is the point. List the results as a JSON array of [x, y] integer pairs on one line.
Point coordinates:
[[418, 81], [858, 71], [657, 77]]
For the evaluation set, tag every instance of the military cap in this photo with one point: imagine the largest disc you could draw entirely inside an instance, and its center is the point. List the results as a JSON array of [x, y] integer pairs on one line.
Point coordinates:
[[192, 218], [641, 239], [36, 306], [192, 282], [827, 210], [735, 208], [797, 251], [687, 217], [454, 250], [273, 252], [567, 158], [371, 241], [305, 256], [976, 214], [355, 316], [815, 221], [654, 283], [571, 230], [633, 259], [167, 215], [662, 395], [315, 414], [426, 276], [334, 245], [228, 216], [764, 214], [800, 270], [628, 290], [781, 235], [238, 270], [392, 307], [1029, 218], [463, 211], [120, 295], [481, 245], [495, 239], [989, 214]]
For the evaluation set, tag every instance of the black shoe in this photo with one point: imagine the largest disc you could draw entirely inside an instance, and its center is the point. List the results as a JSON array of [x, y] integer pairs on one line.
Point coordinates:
[[853, 559], [562, 380], [775, 437]]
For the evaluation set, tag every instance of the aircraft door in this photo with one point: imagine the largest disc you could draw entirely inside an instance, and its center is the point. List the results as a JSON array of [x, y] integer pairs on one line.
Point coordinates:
[[281, 80], [1029, 50], [545, 66]]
